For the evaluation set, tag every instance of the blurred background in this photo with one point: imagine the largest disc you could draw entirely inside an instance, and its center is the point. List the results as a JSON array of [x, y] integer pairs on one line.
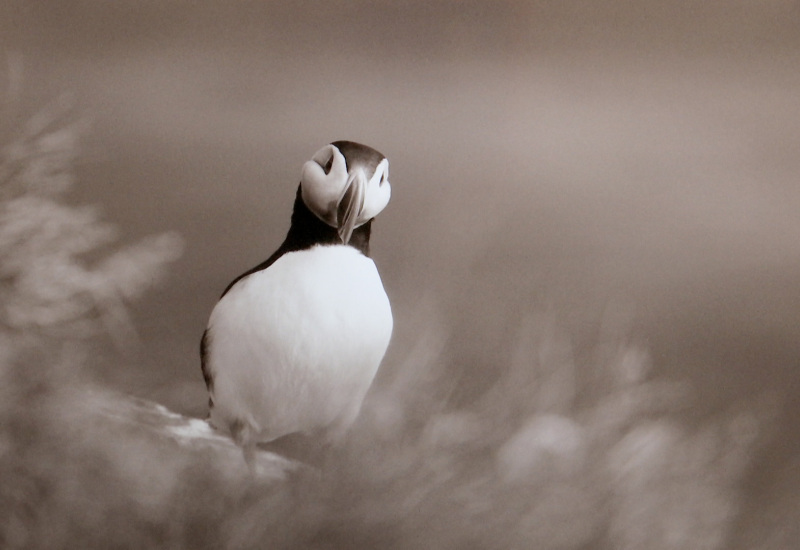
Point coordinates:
[[618, 164]]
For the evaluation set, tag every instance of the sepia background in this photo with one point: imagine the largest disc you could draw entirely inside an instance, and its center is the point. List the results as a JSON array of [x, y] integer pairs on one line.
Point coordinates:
[[609, 170]]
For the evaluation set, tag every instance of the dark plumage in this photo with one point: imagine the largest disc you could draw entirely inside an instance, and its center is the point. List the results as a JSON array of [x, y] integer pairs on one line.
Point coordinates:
[[306, 231]]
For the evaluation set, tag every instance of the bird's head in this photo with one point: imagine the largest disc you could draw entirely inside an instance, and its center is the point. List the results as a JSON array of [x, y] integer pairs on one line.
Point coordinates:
[[346, 184]]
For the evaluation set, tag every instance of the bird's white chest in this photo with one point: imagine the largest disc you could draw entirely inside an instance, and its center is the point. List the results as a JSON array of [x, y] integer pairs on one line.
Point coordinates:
[[295, 347]]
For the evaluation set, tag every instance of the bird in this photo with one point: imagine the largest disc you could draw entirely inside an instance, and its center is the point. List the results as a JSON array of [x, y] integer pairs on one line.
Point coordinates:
[[293, 344]]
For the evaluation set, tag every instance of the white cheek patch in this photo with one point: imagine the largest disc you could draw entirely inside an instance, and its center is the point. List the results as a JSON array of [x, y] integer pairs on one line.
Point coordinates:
[[377, 193], [321, 192]]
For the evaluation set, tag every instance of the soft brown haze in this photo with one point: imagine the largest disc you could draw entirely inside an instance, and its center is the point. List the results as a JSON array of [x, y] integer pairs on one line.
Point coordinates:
[[632, 164]]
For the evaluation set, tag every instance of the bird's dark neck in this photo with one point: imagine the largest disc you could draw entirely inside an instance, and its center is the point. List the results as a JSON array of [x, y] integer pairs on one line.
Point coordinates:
[[307, 230]]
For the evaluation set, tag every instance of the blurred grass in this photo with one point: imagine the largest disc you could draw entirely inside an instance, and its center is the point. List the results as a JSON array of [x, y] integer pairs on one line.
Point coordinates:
[[523, 466], [561, 448]]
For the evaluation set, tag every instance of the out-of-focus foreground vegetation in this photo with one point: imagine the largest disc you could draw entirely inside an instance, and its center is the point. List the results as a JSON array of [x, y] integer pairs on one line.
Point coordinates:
[[561, 453]]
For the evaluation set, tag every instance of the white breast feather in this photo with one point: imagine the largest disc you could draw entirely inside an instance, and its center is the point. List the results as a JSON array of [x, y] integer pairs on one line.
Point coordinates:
[[296, 346]]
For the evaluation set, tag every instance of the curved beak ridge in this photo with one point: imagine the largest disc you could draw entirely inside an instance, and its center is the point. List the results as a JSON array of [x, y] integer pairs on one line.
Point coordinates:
[[351, 204]]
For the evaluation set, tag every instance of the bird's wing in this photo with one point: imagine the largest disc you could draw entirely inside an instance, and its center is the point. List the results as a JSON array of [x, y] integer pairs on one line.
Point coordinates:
[[205, 366]]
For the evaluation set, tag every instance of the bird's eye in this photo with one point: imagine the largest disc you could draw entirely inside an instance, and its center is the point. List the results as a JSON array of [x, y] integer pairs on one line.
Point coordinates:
[[327, 166], [383, 177]]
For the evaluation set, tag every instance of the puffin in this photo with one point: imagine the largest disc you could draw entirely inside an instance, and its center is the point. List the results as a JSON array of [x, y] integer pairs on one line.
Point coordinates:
[[293, 344]]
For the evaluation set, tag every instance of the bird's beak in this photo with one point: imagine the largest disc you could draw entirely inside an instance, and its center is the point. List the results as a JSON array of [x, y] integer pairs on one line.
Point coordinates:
[[351, 204]]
